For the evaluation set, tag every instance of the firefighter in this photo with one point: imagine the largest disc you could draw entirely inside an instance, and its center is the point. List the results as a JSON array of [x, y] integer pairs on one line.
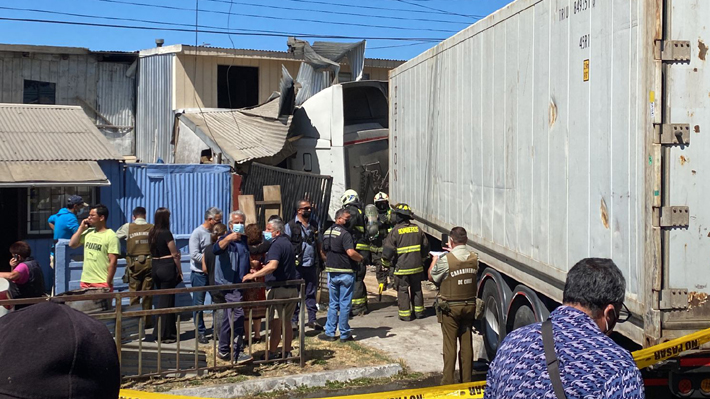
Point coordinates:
[[351, 202], [406, 248], [385, 222]]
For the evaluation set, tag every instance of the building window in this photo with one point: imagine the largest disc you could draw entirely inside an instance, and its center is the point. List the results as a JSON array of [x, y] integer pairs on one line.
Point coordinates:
[[43, 202], [348, 77], [237, 86], [37, 92]]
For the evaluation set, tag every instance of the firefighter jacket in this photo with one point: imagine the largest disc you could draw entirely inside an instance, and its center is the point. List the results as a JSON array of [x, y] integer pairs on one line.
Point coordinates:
[[405, 247], [384, 226], [357, 227], [459, 284]]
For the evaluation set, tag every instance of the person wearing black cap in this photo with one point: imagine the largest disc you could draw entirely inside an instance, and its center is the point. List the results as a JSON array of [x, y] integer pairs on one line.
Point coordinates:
[[50, 350]]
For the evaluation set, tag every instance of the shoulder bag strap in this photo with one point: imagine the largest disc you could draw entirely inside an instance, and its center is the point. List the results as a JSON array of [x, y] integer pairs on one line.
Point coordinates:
[[553, 364]]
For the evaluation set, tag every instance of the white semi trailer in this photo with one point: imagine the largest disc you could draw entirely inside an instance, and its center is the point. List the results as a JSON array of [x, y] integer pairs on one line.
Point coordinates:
[[555, 130]]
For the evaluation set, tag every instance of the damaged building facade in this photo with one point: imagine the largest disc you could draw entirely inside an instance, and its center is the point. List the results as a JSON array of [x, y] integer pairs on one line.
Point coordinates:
[[101, 82], [188, 98]]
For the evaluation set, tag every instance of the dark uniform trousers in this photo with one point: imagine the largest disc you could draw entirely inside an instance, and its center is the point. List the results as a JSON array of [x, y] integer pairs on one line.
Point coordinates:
[[382, 272], [409, 295], [139, 266], [457, 325], [140, 279], [359, 301]]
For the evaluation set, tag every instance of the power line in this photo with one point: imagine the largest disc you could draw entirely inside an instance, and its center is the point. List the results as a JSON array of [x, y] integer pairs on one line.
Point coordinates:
[[398, 45], [242, 32], [338, 12], [279, 18], [70, 14], [370, 7], [439, 10]]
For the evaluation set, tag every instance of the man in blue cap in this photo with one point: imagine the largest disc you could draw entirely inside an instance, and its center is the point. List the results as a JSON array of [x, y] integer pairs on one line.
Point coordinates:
[[65, 222]]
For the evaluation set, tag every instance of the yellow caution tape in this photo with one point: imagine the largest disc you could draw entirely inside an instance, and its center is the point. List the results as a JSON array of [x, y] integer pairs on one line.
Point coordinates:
[[644, 358], [657, 353], [132, 394]]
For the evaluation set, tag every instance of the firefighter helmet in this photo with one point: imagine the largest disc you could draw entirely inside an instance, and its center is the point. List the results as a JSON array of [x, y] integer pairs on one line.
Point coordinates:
[[403, 209], [381, 197], [349, 196]]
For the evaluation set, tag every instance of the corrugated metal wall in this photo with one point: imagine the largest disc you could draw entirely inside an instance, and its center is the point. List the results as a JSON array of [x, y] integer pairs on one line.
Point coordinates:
[[187, 190], [74, 76], [154, 117], [115, 100]]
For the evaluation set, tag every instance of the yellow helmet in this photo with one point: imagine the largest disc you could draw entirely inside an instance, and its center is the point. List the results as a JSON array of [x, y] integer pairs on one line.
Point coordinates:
[[403, 209], [381, 197], [349, 196]]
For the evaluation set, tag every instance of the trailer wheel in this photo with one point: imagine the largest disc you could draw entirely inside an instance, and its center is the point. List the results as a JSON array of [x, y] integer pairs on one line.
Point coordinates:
[[523, 316], [525, 308], [492, 318]]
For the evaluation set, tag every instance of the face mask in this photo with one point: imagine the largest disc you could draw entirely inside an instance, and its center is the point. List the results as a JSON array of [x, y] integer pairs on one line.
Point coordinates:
[[382, 206], [238, 228], [306, 214], [268, 236]]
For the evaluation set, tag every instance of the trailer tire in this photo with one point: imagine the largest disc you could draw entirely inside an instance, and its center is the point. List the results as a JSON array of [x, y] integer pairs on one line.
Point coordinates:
[[525, 308], [493, 325], [522, 316]]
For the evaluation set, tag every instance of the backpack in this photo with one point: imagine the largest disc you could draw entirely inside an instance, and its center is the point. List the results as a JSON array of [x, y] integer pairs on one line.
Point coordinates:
[[297, 239]]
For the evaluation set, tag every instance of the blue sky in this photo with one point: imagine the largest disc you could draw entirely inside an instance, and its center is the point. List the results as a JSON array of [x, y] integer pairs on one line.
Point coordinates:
[[366, 19]]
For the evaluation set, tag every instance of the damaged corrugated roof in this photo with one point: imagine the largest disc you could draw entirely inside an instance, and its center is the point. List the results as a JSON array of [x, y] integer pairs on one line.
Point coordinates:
[[51, 133], [242, 135]]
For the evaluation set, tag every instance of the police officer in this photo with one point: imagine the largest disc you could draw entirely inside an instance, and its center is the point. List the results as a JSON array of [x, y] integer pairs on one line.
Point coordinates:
[[406, 247], [356, 225], [138, 259], [342, 261], [456, 272], [385, 222]]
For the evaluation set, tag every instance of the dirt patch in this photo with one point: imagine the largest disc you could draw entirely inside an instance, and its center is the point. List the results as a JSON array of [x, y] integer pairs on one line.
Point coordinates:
[[320, 356]]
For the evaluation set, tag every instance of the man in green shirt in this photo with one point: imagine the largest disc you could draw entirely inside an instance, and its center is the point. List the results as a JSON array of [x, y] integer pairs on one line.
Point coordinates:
[[101, 249]]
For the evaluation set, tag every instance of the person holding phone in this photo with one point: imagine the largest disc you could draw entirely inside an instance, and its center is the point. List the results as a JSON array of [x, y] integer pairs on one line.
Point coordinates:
[[26, 278], [101, 249]]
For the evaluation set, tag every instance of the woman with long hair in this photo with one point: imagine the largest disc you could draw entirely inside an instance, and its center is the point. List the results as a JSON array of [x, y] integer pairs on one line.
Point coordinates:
[[166, 272]]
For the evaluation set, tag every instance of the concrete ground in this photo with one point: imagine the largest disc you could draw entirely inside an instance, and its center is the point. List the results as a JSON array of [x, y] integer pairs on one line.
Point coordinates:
[[418, 343]]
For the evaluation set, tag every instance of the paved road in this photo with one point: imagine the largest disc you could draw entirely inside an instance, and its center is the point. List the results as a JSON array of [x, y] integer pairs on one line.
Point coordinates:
[[418, 343]]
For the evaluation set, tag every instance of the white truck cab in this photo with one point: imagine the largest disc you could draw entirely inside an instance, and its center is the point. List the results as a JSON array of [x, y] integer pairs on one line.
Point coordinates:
[[342, 131]]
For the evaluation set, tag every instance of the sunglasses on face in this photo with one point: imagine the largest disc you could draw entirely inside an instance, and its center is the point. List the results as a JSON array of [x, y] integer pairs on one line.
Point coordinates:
[[624, 314]]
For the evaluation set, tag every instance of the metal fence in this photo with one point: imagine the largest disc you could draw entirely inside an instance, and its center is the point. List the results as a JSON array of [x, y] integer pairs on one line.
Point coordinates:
[[294, 186], [147, 360]]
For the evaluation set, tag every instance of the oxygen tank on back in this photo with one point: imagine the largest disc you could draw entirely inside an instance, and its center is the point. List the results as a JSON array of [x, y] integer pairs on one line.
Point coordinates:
[[372, 226]]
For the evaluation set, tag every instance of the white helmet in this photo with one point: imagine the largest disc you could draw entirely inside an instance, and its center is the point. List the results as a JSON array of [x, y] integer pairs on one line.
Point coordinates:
[[381, 197], [349, 196]]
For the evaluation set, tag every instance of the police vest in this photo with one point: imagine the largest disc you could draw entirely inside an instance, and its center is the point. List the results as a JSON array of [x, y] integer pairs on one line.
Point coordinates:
[[460, 282], [137, 240]]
